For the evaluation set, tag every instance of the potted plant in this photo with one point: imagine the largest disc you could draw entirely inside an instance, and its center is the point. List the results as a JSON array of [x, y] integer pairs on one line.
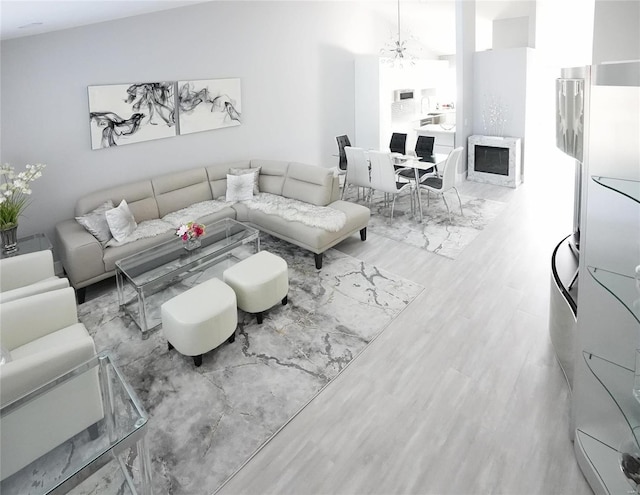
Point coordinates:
[[14, 199]]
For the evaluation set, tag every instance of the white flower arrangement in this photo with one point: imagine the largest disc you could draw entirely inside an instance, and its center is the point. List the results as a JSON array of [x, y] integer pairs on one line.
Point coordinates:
[[15, 192], [494, 115]]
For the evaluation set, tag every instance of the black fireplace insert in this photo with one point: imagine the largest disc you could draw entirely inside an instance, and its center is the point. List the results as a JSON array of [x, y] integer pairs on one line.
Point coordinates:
[[491, 160]]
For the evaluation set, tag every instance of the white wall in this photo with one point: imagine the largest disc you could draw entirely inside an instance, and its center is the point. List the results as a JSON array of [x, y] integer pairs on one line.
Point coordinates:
[[512, 33], [564, 32], [368, 111], [295, 61], [564, 38], [500, 75], [500, 81], [466, 92], [616, 31]]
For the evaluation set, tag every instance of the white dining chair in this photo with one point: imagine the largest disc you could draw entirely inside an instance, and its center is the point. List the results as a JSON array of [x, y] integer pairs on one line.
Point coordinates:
[[383, 178], [357, 170], [446, 181]]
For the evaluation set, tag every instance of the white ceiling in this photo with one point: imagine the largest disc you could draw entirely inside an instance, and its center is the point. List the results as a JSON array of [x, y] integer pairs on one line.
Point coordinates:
[[26, 17]]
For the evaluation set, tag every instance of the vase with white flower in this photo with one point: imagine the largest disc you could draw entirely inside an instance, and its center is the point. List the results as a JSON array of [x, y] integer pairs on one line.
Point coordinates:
[[14, 199], [190, 234]]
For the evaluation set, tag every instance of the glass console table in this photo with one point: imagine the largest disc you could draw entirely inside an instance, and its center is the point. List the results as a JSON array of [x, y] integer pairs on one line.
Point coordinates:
[[30, 244], [91, 461]]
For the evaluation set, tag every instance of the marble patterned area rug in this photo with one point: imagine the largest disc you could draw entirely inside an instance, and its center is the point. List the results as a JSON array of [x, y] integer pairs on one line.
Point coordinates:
[[437, 233], [206, 422]]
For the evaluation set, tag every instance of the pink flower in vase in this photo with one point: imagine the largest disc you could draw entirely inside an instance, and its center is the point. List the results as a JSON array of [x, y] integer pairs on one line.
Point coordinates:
[[191, 230]]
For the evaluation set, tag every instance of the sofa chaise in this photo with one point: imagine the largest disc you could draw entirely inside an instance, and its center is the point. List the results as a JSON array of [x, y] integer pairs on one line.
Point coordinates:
[[292, 199]]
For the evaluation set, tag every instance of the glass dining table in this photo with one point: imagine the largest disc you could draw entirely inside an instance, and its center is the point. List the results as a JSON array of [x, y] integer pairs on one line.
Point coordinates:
[[418, 164]]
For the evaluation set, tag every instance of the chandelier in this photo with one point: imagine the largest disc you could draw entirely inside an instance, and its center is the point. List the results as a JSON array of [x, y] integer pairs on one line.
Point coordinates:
[[395, 51]]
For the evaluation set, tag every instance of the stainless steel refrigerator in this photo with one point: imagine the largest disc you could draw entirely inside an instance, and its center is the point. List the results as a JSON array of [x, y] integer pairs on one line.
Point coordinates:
[[598, 123]]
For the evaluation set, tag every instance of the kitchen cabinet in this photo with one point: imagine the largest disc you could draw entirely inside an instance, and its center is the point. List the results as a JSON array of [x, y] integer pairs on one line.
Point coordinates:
[[377, 115]]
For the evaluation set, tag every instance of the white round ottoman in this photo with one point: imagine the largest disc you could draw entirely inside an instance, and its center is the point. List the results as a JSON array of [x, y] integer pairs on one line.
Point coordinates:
[[200, 319], [260, 282]]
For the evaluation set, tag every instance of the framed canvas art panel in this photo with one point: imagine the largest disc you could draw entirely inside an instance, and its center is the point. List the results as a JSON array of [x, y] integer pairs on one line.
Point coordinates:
[[208, 104], [130, 113]]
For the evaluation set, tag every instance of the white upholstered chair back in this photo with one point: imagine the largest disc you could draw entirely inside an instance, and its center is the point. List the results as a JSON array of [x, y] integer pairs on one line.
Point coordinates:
[[357, 167], [450, 168], [383, 175], [28, 274], [447, 180]]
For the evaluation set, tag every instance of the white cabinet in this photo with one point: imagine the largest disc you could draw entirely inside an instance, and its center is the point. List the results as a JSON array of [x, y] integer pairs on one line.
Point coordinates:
[[605, 414]]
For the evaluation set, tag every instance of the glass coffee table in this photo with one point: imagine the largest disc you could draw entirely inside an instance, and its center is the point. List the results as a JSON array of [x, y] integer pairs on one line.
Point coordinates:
[[151, 277], [109, 457]]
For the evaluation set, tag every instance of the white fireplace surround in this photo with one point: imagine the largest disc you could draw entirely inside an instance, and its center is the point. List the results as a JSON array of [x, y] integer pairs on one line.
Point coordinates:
[[514, 177]]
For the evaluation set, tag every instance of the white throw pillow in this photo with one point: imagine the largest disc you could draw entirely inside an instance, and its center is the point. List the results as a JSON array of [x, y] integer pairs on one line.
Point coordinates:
[[256, 176], [239, 187], [96, 222], [5, 355], [121, 221]]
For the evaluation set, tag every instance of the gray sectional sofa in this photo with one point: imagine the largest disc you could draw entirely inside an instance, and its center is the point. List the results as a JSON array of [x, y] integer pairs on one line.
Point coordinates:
[[86, 260]]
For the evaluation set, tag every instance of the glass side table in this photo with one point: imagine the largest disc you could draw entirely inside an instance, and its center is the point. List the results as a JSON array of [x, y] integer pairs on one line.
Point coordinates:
[[30, 244], [110, 456]]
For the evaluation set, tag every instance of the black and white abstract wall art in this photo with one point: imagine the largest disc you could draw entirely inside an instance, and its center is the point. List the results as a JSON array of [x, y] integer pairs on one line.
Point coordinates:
[[129, 113], [209, 104]]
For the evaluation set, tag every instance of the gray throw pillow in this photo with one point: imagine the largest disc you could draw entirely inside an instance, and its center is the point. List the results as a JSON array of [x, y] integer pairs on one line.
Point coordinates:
[[96, 222], [256, 176]]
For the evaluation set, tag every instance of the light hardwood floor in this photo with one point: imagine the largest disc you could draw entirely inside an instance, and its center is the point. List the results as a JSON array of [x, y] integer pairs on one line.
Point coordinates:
[[462, 393]]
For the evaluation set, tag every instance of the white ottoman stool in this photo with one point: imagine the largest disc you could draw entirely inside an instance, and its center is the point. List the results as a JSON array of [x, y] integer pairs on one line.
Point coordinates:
[[200, 319], [259, 281]]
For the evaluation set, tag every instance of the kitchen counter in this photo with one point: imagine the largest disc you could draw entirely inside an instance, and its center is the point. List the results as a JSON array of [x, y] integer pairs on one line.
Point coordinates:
[[448, 128], [435, 117], [445, 138]]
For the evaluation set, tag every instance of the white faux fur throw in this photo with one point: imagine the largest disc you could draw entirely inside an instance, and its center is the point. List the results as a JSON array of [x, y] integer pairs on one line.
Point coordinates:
[[326, 218], [171, 221], [193, 212], [329, 219], [148, 228]]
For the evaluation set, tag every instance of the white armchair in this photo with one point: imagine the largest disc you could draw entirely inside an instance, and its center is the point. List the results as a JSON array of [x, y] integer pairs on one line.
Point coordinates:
[[28, 274], [43, 340]]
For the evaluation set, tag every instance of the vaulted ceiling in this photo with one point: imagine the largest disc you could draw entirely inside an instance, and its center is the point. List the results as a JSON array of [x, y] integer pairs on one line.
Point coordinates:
[[430, 22]]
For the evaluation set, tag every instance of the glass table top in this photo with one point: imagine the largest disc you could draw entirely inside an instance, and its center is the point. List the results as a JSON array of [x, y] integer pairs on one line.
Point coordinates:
[[30, 244], [121, 422], [626, 187], [169, 258]]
